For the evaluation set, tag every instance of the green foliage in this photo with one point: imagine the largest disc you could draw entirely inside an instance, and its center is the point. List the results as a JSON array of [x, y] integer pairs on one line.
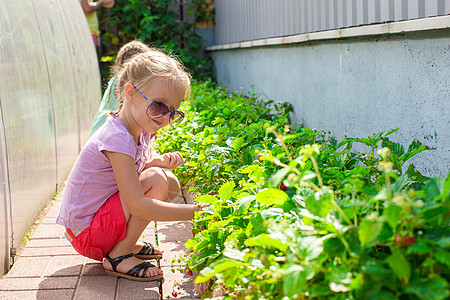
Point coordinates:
[[159, 23], [296, 214]]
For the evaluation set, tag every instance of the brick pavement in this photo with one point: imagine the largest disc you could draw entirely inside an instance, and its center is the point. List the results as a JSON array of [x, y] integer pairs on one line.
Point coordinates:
[[49, 268]]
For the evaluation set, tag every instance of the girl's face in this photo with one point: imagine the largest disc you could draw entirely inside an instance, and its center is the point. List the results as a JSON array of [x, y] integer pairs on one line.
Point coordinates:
[[161, 91]]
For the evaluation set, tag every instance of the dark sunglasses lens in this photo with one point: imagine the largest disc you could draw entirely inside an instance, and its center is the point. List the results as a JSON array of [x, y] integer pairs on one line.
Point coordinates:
[[157, 109], [176, 117]]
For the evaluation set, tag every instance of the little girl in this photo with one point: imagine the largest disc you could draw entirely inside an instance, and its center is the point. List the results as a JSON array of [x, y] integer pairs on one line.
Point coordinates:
[[109, 103], [114, 190], [109, 100]]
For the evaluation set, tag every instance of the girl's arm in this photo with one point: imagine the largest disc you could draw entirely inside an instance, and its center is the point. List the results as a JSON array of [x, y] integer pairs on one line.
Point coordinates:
[[131, 193], [168, 161]]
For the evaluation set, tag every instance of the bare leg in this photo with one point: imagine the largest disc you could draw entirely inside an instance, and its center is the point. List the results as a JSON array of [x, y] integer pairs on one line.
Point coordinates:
[[150, 178], [174, 186]]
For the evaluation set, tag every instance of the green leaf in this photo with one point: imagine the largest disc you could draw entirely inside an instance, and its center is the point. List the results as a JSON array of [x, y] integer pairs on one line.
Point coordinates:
[[400, 265], [271, 213], [340, 279], [311, 247], [442, 256], [369, 230], [234, 254], [392, 214], [444, 241], [320, 204], [272, 196], [435, 188], [333, 247], [396, 148], [226, 190], [400, 184], [244, 203], [414, 148], [201, 156], [238, 143], [276, 178], [420, 247], [273, 240], [205, 275], [206, 199], [431, 288], [294, 281], [255, 226]]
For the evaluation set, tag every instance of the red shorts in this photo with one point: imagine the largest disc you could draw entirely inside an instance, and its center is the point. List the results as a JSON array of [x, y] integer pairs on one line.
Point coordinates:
[[108, 227]]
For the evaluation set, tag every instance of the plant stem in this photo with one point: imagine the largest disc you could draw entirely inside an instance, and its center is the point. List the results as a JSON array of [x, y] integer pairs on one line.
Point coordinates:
[[316, 168], [341, 212], [355, 218]]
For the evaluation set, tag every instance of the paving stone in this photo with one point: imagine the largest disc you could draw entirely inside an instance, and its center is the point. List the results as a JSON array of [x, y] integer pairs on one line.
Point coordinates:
[[174, 280], [188, 197], [96, 287], [172, 251], [69, 265], [174, 232], [48, 231], [48, 220], [36, 283], [179, 200], [29, 267], [48, 251], [54, 209], [45, 242], [128, 289], [93, 269], [38, 294]]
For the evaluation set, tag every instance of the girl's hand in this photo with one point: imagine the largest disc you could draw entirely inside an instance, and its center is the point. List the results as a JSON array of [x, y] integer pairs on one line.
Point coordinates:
[[166, 161], [107, 3]]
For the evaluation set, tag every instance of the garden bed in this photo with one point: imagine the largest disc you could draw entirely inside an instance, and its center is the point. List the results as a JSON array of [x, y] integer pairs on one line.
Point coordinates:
[[297, 214]]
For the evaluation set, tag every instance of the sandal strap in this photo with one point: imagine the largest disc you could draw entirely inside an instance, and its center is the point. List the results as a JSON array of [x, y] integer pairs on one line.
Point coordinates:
[[116, 261], [147, 249], [134, 271]]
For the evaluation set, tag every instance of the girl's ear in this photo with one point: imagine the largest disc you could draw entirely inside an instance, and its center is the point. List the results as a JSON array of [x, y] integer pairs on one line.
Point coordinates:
[[129, 92]]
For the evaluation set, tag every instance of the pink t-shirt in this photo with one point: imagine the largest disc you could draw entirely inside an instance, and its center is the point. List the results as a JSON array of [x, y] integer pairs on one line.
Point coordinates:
[[91, 181]]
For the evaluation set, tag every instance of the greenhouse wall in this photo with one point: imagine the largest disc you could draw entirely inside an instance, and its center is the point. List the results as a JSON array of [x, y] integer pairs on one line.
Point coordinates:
[[355, 81], [49, 94]]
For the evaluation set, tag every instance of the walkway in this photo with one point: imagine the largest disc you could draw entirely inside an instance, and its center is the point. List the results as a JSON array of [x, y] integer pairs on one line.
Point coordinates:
[[49, 268]]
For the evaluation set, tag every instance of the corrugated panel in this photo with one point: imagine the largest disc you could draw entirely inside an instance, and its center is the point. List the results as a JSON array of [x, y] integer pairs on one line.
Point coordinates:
[[49, 94], [244, 20]]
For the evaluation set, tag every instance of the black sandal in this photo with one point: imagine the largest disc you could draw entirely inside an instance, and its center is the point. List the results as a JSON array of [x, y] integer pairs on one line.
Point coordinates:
[[133, 273], [148, 252]]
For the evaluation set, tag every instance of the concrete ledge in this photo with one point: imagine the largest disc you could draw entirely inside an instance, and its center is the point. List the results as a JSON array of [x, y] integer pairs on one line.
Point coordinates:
[[433, 23]]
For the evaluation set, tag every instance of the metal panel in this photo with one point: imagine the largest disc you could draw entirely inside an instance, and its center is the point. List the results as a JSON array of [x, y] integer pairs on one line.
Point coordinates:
[[413, 9], [398, 11], [243, 20]]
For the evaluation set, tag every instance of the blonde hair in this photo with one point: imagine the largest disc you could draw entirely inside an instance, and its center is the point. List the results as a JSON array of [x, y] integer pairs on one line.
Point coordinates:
[[143, 68], [130, 49]]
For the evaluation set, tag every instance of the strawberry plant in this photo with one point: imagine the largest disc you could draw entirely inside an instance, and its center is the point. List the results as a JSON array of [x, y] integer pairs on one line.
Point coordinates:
[[296, 214]]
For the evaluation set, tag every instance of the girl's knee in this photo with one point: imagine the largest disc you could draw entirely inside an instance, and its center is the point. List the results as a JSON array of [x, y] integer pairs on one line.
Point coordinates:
[[154, 181], [174, 186]]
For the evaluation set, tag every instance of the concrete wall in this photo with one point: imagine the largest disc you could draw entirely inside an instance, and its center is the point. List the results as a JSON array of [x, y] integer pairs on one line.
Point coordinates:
[[357, 86]]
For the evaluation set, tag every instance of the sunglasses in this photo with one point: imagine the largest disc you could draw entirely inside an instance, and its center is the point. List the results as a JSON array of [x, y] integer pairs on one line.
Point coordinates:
[[159, 109]]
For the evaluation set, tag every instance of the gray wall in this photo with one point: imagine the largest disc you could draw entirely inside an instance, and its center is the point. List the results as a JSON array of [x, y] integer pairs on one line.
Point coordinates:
[[244, 20], [49, 93], [357, 86]]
